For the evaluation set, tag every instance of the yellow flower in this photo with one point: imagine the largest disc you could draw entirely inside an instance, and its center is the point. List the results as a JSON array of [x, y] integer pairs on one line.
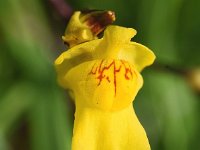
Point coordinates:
[[103, 76]]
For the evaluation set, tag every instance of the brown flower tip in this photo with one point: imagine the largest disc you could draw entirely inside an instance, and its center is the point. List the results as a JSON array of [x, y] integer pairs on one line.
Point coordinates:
[[97, 20]]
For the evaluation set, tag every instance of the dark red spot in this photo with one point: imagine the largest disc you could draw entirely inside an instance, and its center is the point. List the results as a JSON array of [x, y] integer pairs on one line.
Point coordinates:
[[98, 20], [108, 79]]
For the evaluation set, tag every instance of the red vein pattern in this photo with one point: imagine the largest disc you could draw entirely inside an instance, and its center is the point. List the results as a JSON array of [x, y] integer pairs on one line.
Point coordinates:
[[99, 71]]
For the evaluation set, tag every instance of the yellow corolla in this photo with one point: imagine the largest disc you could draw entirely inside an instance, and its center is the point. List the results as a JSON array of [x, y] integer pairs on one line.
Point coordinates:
[[103, 76]]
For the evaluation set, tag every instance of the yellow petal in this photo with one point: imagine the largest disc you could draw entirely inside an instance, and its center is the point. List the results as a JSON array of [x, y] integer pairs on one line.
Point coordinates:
[[108, 84], [104, 118], [115, 44], [103, 76], [72, 57], [137, 54], [100, 130]]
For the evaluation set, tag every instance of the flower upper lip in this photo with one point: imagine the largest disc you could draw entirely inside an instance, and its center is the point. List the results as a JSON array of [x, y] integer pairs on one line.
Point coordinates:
[[103, 48]]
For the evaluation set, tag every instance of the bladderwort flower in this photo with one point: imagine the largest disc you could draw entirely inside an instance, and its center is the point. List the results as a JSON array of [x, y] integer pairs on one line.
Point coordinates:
[[103, 76]]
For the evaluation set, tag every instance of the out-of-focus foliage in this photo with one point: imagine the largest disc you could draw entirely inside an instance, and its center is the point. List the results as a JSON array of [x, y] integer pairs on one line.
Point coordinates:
[[36, 114]]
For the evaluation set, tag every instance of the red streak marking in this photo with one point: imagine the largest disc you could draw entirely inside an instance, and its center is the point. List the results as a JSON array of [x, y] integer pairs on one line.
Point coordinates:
[[115, 71], [100, 69], [92, 70], [100, 65], [127, 70], [101, 76], [131, 70]]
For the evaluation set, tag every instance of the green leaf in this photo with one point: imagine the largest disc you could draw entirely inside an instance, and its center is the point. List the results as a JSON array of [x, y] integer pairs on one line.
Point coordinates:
[[188, 33], [15, 102], [3, 142], [159, 20], [51, 127], [168, 108]]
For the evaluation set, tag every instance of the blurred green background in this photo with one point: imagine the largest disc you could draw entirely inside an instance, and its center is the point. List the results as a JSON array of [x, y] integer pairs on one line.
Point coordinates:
[[36, 114]]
